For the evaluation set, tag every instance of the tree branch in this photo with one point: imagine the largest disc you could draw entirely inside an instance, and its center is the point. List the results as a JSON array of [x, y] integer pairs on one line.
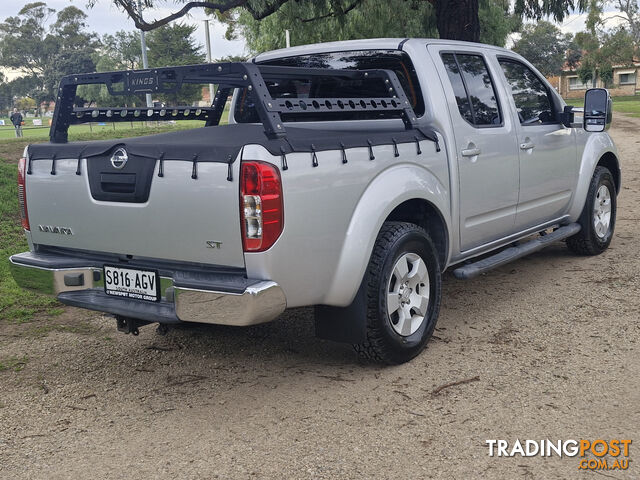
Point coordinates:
[[622, 17], [131, 9], [344, 11], [271, 8]]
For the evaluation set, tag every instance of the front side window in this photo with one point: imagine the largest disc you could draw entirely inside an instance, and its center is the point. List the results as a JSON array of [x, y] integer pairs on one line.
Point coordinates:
[[473, 88], [530, 94]]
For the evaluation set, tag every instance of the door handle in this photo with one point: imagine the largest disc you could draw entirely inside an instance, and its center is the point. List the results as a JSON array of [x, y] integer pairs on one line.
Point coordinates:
[[527, 146], [470, 152]]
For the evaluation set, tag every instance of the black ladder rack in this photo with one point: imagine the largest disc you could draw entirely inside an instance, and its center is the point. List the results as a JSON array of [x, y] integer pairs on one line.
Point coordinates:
[[227, 76]]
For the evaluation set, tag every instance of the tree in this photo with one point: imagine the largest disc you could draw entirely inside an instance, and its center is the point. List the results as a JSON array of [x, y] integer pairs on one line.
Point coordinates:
[[497, 22], [6, 99], [310, 21], [628, 14], [601, 52], [544, 45], [116, 52], [119, 52], [46, 51], [455, 19], [174, 45], [25, 103], [167, 46]]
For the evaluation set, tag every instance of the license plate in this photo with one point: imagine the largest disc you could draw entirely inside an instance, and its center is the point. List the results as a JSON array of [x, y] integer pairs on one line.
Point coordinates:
[[132, 283]]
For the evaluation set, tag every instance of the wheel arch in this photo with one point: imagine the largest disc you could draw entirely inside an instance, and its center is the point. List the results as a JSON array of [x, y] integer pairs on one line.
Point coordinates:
[[599, 150], [403, 193], [610, 161], [425, 214]]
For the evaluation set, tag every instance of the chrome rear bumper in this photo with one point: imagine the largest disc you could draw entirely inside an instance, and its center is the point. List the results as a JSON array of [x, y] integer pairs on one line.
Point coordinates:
[[83, 286]]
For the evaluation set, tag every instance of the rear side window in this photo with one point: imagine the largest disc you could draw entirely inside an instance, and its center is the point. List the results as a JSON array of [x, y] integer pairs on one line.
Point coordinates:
[[473, 87], [530, 94], [333, 87]]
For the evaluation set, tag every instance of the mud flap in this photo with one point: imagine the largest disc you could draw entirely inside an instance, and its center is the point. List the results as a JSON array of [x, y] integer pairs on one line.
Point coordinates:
[[343, 324]]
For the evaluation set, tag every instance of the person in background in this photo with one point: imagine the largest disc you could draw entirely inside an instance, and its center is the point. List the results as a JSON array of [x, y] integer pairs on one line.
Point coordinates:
[[16, 119]]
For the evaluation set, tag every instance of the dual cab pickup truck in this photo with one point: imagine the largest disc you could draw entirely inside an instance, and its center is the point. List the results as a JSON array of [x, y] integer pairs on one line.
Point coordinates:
[[349, 177]]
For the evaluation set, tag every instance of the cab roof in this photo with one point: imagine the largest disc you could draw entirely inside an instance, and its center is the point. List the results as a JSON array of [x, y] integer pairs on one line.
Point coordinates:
[[367, 44]]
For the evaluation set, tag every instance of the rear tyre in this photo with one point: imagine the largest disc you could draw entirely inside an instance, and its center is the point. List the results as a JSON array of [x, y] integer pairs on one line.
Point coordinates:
[[403, 294], [598, 218]]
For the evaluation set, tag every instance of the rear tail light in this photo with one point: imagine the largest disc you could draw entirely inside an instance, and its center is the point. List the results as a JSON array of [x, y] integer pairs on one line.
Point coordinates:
[[22, 193], [261, 209]]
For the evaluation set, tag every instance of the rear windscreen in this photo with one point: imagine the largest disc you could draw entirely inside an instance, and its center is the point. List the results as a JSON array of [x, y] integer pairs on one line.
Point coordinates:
[[337, 87]]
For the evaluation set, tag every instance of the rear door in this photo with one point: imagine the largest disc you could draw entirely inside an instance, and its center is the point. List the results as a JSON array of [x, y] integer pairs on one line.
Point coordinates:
[[547, 149], [486, 147]]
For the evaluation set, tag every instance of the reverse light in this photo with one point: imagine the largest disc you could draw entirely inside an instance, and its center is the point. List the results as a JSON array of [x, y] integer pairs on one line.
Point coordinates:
[[22, 192], [261, 208]]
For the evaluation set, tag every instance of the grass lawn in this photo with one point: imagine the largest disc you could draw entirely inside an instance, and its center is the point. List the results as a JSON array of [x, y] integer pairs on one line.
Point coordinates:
[[18, 305], [93, 131], [627, 105]]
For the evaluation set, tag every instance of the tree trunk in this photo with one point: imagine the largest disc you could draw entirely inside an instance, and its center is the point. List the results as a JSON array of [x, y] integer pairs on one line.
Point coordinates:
[[458, 19]]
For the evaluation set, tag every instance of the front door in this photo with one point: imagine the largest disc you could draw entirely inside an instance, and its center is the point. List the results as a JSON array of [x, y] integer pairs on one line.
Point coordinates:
[[487, 150], [548, 163]]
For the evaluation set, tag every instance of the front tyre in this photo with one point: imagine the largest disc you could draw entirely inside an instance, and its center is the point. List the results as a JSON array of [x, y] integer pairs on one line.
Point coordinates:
[[598, 217], [403, 294]]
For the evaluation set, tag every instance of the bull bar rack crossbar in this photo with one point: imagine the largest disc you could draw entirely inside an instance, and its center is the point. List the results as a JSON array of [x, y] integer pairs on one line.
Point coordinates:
[[227, 76]]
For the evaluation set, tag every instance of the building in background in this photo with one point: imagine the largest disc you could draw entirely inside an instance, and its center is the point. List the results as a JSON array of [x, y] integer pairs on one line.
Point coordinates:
[[625, 82]]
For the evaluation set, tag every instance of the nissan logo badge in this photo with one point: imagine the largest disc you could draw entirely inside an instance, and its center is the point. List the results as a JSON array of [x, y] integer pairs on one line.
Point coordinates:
[[119, 158]]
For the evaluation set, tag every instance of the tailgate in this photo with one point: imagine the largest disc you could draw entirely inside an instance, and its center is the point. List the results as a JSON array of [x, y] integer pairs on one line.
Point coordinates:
[[130, 210]]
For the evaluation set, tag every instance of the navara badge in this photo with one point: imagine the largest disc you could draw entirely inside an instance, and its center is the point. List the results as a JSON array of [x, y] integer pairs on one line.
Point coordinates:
[[119, 158]]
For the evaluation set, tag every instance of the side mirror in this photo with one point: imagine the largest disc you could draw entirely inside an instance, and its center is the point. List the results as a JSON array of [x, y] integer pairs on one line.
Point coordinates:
[[597, 110]]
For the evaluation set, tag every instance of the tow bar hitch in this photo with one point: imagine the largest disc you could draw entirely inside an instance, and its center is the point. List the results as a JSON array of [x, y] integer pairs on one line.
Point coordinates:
[[129, 325]]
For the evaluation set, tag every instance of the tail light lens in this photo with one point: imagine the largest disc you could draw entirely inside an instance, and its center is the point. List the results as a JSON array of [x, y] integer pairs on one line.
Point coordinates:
[[22, 193], [261, 209]]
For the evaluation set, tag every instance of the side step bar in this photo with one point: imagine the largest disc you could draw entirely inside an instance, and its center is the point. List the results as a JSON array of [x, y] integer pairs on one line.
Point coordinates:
[[510, 254]]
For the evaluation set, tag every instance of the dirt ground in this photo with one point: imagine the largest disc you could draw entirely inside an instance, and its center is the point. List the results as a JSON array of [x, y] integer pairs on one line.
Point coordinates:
[[553, 340]]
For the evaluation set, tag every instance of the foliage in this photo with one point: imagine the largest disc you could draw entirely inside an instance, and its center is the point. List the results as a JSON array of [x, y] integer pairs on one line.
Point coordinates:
[[628, 13], [116, 52], [606, 74], [174, 45], [6, 98], [497, 22], [119, 52], [25, 103], [166, 46], [556, 9], [374, 18], [231, 58], [45, 50], [573, 54], [454, 19], [603, 50], [311, 21], [544, 45]]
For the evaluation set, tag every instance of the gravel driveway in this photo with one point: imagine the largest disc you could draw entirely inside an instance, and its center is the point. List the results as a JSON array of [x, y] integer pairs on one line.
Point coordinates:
[[546, 347]]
